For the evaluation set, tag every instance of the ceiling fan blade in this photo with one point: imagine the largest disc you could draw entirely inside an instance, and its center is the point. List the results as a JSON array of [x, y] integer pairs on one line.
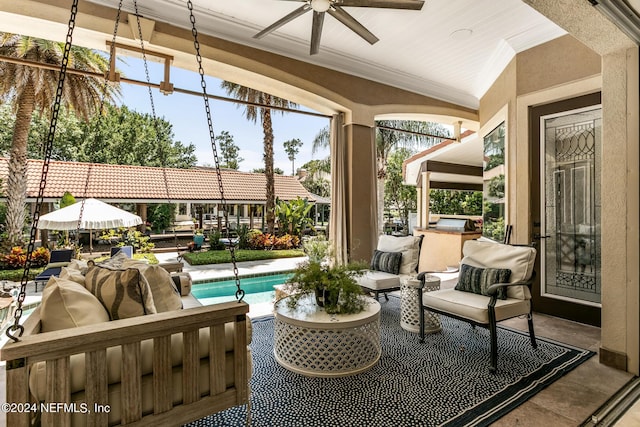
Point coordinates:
[[280, 22], [348, 20], [389, 4], [316, 31]]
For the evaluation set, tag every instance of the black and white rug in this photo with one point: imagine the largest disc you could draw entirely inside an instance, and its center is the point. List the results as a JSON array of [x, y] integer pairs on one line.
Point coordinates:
[[444, 381]]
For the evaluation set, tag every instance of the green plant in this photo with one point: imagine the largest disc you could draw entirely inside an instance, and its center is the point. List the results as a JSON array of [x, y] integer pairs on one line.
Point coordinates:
[[293, 216], [317, 248], [214, 241], [337, 284], [17, 258], [243, 236], [224, 256], [127, 237], [161, 216]]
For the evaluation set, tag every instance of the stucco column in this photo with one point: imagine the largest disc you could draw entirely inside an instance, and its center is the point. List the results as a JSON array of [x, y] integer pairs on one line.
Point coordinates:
[[425, 199], [419, 223], [361, 191], [620, 188]]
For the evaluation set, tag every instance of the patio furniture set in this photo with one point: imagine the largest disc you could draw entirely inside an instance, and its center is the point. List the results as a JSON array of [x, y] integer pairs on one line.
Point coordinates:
[[494, 284]]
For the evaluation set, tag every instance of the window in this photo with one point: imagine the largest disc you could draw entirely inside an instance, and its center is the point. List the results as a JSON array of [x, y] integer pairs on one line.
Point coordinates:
[[494, 184]]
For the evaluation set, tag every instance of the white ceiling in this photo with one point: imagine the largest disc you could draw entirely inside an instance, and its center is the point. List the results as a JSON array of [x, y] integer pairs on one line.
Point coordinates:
[[418, 50]]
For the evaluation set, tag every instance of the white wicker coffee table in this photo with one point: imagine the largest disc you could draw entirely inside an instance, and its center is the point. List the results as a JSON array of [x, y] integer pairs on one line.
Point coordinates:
[[409, 308], [311, 342]]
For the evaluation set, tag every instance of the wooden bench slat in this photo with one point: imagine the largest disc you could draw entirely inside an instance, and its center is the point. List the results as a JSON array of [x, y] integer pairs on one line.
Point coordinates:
[[58, 391], [190, 367], [217, 363], [96, 388], [162, 378], [131, 383], [18, 378]]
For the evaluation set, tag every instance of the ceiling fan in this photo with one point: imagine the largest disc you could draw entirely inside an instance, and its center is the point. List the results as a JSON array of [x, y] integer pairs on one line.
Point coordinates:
[[335, 9]]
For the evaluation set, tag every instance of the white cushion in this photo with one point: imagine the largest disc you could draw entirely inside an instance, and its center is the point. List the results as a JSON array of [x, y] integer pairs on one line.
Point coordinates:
[[72, 274], [518, 259], [408, 245], [378, 280], [473, 306], [77, 264], [66, 304]]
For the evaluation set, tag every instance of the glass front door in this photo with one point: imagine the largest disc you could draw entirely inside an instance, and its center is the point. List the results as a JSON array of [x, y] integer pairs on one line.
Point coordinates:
[[570, 147]]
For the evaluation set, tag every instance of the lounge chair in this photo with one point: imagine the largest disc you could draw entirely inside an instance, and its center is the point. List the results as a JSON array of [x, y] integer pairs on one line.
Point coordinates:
[[127, 250], [59, 258]]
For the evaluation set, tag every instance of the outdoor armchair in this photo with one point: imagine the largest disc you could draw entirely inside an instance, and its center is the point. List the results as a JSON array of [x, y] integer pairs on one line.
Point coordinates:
[[494, 284]]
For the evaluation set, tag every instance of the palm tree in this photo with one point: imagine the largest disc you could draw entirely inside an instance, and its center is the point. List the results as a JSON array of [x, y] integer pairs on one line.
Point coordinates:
[[386, 142], [31, 89], [254, 98]]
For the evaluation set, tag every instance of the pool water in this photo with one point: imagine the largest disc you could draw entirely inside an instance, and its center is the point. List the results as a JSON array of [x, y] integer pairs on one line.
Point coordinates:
[[257, 289]]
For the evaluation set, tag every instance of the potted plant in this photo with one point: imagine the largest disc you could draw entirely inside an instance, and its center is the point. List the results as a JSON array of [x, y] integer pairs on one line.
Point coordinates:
[[198, 238], [334, 286]]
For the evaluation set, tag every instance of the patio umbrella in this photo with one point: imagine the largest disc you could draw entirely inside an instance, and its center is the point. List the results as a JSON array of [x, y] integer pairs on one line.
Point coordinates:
[[96, 215]]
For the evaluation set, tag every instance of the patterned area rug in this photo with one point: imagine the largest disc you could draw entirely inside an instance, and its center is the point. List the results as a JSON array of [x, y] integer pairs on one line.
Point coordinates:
[[444, 381]]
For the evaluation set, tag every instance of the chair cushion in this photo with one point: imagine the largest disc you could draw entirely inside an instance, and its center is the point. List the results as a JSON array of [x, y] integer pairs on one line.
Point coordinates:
[[388, 262], [71, 274], [124, 293], [408, 245], [67, 304], [183, 282], [473, 306], [477, 280], [378, 280], [518, 259], [79, 265]]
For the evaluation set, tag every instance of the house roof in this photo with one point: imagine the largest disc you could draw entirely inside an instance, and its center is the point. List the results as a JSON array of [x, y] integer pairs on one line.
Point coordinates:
[[118, 183], [450, 154]]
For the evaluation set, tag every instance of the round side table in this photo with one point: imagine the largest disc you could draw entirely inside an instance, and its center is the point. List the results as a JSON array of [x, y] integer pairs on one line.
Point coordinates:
[[410, 310], [311, 342]]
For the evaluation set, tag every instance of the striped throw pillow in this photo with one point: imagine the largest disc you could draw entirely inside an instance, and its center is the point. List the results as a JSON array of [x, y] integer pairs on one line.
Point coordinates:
[[388, 262], [124, 293], [477, 280]]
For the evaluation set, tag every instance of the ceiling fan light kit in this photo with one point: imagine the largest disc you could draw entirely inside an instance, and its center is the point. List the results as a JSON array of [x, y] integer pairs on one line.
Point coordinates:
[[335, 9], [320, 5]]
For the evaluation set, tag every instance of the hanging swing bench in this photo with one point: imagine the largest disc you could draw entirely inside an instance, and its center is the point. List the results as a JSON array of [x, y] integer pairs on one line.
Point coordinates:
[[168, 368]]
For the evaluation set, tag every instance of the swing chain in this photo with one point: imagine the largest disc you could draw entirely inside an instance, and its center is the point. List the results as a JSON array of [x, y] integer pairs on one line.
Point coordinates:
[[17, 327], [156, 122], [96, 127], [240, 292]]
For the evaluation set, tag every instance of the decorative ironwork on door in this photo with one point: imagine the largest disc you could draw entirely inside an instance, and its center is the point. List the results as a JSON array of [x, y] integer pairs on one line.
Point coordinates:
[[572, 205]]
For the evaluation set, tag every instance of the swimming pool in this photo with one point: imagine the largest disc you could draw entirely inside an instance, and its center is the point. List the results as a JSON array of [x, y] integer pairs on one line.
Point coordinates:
[[257, 289]]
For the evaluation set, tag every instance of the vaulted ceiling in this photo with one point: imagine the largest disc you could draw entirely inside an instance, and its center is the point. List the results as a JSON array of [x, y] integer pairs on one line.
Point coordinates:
[[451, 50]]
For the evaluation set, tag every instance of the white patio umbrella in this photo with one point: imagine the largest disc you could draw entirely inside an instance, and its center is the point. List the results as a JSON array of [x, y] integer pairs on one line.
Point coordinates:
[[96, 215]]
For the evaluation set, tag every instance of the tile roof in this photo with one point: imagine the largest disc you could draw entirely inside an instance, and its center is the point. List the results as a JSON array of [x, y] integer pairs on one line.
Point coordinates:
[[147, 184]]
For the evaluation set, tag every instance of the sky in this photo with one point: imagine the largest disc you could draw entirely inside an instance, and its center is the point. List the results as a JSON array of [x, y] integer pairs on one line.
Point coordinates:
[[187, 115]]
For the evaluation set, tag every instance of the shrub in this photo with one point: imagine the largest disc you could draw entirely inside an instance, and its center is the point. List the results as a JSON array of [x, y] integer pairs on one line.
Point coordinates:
[[243, 237], [139, 241], [17, 258], [40, 257], [286, 242], [214, 241]]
